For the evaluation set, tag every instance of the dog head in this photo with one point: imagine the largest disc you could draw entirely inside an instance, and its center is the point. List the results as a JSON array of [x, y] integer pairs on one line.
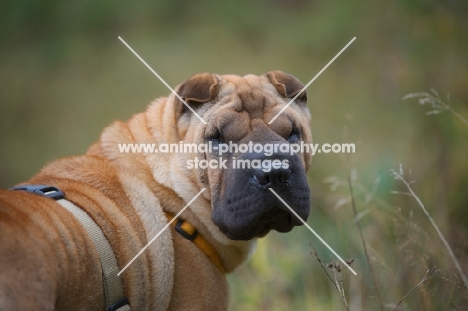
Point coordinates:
[[249, 154]]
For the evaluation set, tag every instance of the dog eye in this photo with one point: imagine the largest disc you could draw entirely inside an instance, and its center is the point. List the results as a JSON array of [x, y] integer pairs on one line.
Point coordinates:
[[295, 135], [216, 138], [217, 142], [219, 146]]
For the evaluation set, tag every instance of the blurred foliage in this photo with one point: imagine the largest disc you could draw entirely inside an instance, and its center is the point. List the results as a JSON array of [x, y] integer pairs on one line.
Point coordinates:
[[64, 75]]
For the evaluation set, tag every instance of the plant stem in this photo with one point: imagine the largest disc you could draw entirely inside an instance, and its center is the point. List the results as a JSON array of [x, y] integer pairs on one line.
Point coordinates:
[[436, 227], [336, 284], [424, 279], [459, 116], [374, 280]]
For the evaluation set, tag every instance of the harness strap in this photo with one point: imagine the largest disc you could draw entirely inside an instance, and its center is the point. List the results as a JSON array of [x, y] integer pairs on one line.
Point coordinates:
[[114, 296]]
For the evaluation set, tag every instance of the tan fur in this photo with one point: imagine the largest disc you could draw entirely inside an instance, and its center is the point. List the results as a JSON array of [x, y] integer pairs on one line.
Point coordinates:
[[48, 261]]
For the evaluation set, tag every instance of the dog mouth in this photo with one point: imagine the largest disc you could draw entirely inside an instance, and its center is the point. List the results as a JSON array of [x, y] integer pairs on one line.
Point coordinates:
[[275, 219], [247, 208]]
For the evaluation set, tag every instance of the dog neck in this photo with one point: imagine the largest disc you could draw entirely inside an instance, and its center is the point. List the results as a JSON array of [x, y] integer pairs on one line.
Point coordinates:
[[168, 181], [189, 232]]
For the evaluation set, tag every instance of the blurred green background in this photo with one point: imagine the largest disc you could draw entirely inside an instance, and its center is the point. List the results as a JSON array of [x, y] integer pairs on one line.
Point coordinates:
[[64, 75]]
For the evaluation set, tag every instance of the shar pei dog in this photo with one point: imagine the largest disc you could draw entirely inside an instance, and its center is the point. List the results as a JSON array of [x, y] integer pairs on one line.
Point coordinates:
[[131, 229]]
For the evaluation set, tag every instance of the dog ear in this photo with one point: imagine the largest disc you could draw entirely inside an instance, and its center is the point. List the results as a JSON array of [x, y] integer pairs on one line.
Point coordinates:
[[287, 85], [199, 89]]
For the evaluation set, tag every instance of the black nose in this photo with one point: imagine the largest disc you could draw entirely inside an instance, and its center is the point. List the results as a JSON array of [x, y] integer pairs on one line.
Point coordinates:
[[273, 176]]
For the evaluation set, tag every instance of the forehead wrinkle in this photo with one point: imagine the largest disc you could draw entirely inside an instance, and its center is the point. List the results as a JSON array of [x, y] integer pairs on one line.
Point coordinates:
[[251, 98]]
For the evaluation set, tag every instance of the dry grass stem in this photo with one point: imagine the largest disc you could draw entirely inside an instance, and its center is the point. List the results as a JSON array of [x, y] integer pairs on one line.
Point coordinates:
[[436, 103], [337, 279], [400, 176], [429, 274]]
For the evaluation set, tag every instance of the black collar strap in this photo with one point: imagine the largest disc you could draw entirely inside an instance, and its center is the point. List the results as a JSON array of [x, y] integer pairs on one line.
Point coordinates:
[[114, 297]]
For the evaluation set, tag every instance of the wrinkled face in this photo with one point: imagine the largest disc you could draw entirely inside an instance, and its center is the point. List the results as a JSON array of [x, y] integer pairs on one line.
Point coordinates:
[[252, 156]]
